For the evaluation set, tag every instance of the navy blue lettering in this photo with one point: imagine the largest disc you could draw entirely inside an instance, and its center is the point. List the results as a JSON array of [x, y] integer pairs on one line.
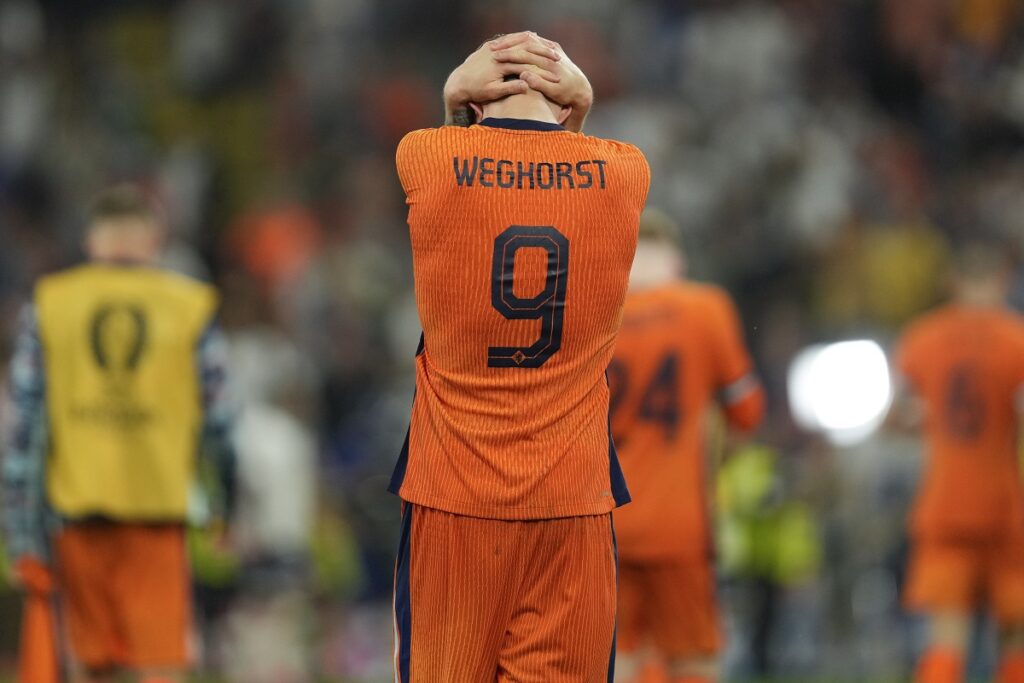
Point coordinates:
[[548, 305], [505, 179], [564, 170], [545, 175], [540, 175], [600, 167], [582, 172], [465, 175], [520, 174], [485, 171]]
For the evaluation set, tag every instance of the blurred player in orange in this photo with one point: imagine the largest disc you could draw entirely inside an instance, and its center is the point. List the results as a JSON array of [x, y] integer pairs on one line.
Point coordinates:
[[680, 347], [118, 372], [965, 364], [523, 233]]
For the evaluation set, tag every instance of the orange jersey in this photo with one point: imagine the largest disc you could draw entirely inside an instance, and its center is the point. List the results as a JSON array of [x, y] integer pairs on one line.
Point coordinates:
[[967, 366], [522, 240], [680, 345]]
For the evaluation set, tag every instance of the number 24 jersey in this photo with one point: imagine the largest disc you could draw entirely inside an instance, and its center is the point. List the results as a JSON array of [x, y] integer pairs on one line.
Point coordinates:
[[523, 235]]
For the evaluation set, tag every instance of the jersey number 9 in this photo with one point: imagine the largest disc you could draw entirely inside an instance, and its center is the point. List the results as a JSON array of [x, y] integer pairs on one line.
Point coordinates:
[[548, 306]]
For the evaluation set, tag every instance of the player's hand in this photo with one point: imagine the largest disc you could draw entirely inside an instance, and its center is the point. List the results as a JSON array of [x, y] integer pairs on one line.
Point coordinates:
[[481, 78], [569, 87], [33, 576]]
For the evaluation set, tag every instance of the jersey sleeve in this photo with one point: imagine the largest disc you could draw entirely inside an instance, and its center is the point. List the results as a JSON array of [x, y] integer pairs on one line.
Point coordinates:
[[412, 159], [739, 389], [731, 358], [638, 174]]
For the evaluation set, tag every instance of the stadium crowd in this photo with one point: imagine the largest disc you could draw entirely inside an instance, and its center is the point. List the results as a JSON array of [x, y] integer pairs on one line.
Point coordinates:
[[823, 158]]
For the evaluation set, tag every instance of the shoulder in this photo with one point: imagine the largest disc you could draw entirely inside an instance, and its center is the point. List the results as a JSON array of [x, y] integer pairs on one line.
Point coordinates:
[[705, 306], [425, 139], [186, 284], [65, 275], [920, 329], [180, 279], [420, 151], [712, 300], [710, 294], [622, 157], [618, 147], [61, 278], [1013, 323]]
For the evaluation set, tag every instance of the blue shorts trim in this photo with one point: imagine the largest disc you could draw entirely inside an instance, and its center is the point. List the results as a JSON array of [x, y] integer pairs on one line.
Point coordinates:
[[403, 602], [615, 550], [620, 492]]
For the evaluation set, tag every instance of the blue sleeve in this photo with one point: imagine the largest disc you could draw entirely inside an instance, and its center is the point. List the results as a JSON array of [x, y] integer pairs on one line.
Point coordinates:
[[219, 412], [25, 445]]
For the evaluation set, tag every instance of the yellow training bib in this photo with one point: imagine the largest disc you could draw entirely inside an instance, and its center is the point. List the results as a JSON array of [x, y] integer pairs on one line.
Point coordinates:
[[122, 389]]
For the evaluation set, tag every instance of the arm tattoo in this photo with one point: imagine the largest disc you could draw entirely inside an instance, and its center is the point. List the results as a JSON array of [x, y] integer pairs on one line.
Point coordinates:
[[462, 117]]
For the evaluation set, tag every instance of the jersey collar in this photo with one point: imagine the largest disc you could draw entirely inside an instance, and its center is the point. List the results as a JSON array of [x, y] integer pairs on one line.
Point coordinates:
[[520, 124]]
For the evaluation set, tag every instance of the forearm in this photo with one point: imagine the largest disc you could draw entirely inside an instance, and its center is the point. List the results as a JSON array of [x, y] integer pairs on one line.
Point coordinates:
[[457, 115], [22, 471], [24, 511], [219, 414], [743, 402]]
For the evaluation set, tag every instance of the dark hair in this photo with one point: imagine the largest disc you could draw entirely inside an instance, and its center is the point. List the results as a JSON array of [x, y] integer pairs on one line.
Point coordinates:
[[657, 226], [123, 201]]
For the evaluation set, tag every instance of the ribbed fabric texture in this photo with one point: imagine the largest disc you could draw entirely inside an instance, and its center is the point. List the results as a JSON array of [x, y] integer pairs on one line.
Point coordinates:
[[510, 415], [680, 344], [524, 601]]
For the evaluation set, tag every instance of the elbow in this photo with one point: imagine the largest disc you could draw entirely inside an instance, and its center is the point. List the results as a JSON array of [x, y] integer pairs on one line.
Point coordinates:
[[746, 414]]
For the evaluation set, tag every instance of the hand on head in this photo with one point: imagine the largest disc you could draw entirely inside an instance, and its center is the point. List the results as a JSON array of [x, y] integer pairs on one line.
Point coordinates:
[[539, 64]]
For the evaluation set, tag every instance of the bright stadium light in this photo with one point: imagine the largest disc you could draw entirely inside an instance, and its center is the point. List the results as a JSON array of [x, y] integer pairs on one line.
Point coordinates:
[[841, 389]]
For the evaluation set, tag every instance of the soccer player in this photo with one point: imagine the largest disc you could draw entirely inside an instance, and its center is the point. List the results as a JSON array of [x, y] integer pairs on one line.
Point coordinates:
[[964, 363], [118, 371], [680, 347], [522, 235]]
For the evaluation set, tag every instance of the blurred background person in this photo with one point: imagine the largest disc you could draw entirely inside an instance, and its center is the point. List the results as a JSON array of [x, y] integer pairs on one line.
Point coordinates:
[[964, 363], [256, 594], [681, 346], [118, 367]]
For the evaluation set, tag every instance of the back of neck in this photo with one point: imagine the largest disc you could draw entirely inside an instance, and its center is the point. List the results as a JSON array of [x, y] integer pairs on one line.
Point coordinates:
[[529, 106]]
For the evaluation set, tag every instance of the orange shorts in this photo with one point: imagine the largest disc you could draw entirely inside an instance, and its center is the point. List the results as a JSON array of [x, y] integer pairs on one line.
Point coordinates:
[[963, 575], [480, 600], [125, 594], [672, 606]]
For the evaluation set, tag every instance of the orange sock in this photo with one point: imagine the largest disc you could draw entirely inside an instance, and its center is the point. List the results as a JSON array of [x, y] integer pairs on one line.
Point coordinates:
[[1011, 668], [940, 665]]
